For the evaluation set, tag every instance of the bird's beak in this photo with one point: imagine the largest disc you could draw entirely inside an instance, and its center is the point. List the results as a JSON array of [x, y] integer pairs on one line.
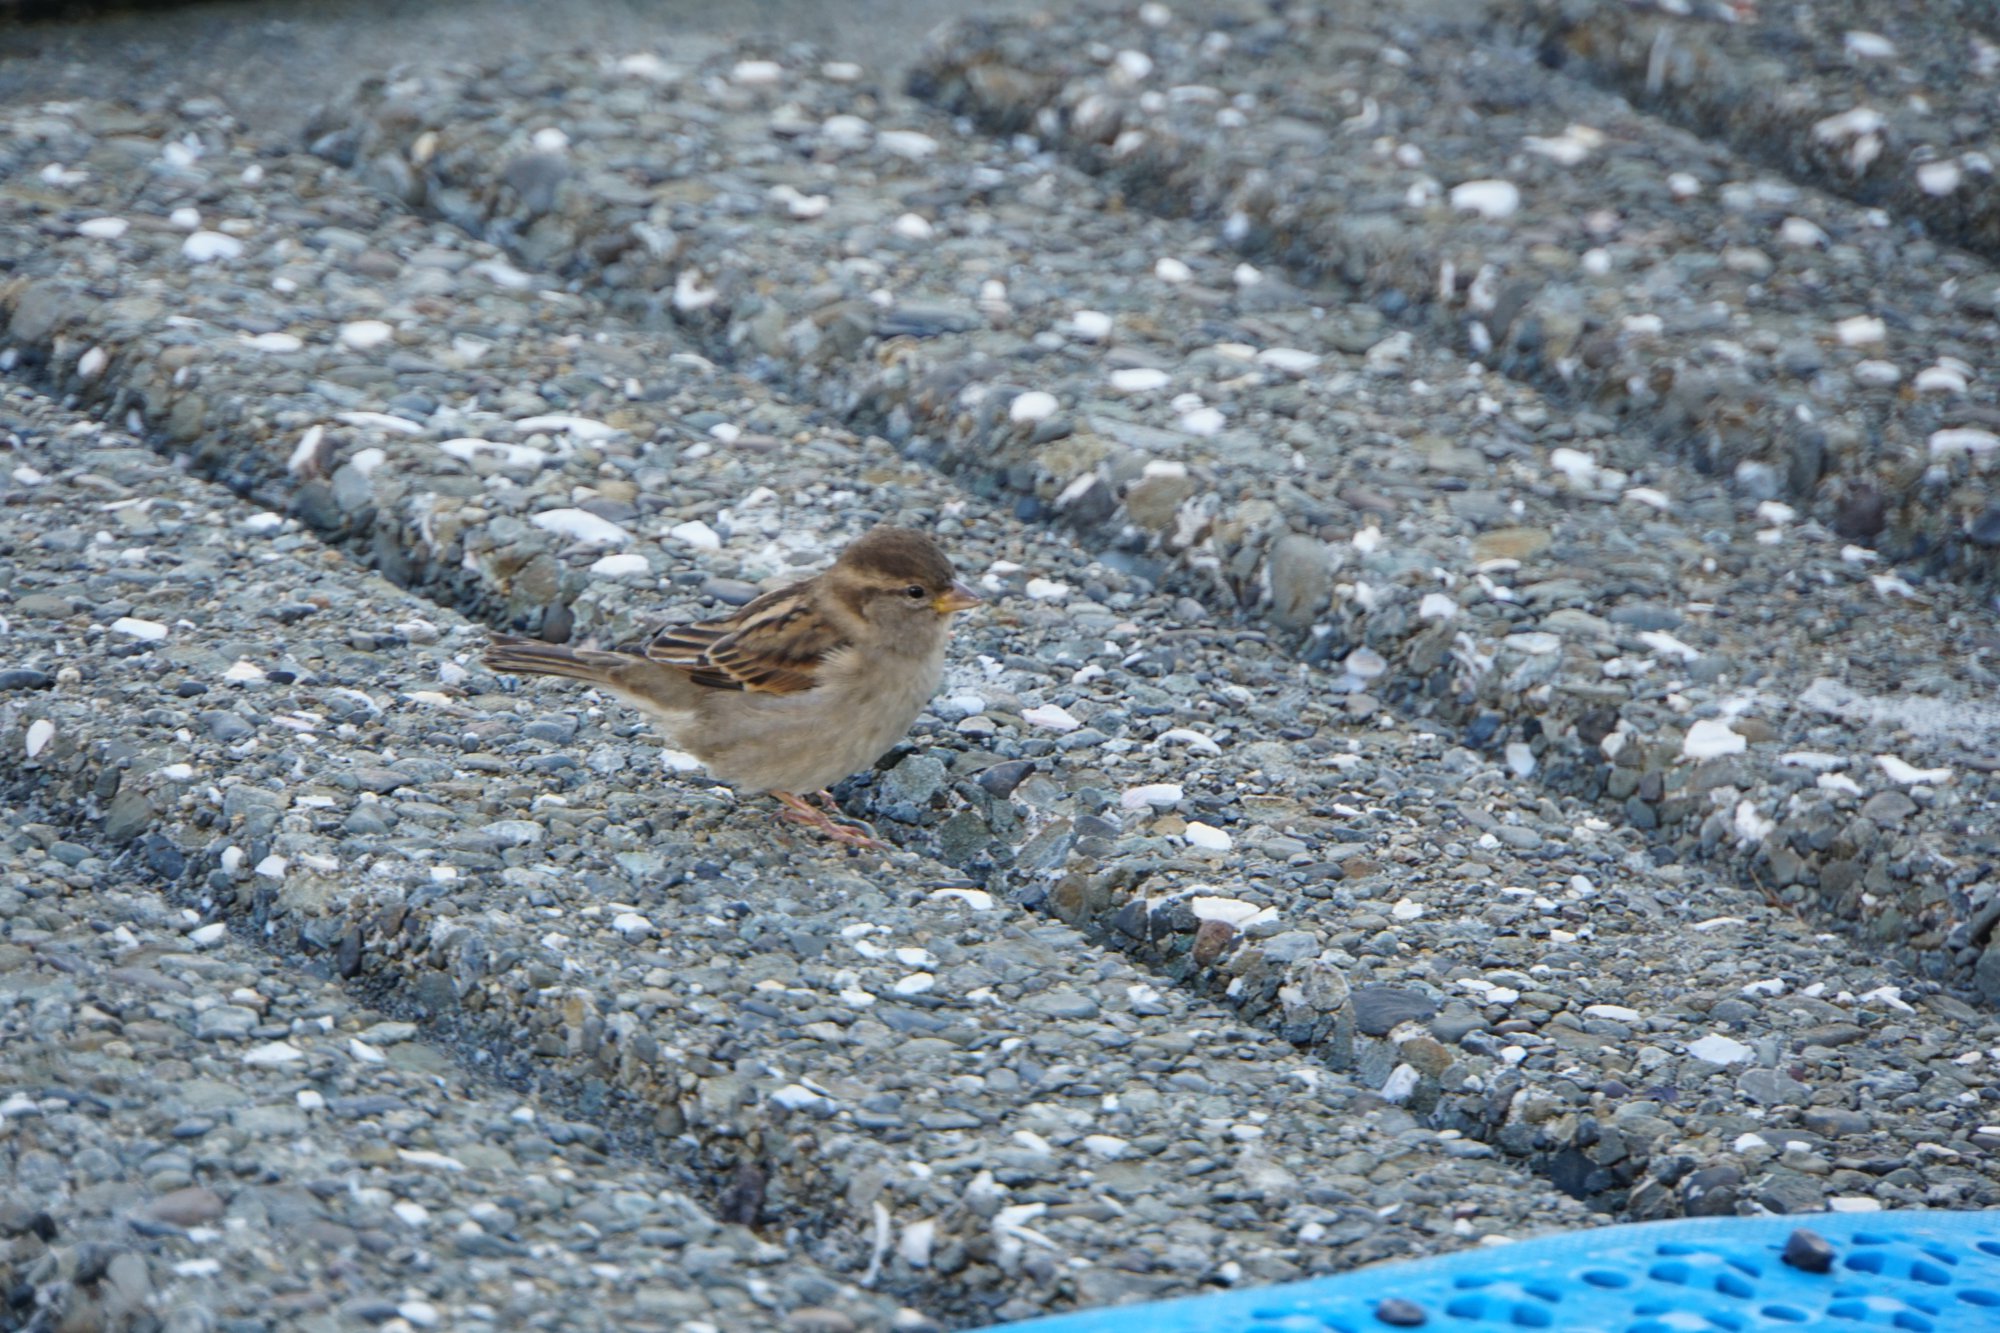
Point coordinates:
[[958, 597]]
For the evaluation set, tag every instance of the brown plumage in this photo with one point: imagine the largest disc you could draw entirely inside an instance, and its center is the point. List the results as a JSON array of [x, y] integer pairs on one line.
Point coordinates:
[[799, 688]]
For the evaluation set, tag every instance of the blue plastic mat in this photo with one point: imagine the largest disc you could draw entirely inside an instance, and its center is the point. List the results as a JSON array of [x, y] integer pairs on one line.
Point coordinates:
[[1927, 1272]]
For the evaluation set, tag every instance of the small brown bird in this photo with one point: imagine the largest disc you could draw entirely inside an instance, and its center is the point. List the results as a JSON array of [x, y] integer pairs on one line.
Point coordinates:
[[800, 687]]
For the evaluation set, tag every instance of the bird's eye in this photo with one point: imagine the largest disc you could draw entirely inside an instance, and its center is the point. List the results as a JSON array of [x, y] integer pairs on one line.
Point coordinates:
[[914, 591]]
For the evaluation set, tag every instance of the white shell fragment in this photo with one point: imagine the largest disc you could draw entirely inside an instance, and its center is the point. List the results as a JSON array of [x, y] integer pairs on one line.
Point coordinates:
[[1908, 774], [1050, 717], [40, 732], [363, 334], [1963, 440], [696, 534]]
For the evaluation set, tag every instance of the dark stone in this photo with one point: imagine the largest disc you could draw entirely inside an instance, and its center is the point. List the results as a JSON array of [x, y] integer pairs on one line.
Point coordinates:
[[1399, 1313], [1001, 779], [1712, 1192], [1378, 1009], [226, 726], [1808, 1251], [25, 678], [1985, 529]]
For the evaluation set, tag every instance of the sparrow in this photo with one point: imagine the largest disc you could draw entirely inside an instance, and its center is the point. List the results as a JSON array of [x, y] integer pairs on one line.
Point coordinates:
[[800, 687]]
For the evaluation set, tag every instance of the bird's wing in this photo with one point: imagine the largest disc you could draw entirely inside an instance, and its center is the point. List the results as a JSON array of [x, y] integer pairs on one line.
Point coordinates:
[[773, 646]]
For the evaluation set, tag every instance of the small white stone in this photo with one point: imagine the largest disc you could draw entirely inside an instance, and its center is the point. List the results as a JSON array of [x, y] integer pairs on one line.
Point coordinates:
[[1711, 738], [1908, 774], [757, 73], [549, 139], [40, 732], [1208, 837], [1107, 1147], [177, 772], [1940, 379], [911, 144], [1939, 178], [580, 525], [693, 292], [273, 1053], [411, 1213], [1050, 717], [1650, 497], [1401, 1084], [620, 565], [272, 866], [1089, 326], [679, 761], [146, 631], [103, 229], [1860, 330], [1520, 759], [913, 227], [1437, 606], [1776, 512], [1849, 124], [1852, 1203], [1877, 373], [1862, 45], [1168, 269], [1837, 782], [203, 936], [364, 1052], [211, 247], [92, 363], [1406, 909], [846, 131], [1293, 361], [696, 534], [420, 1314], [1203, 421], [582, 428], [1717, 1049], [365, 334], [1493, 199], [1198, 742], [1139, 379], [917, 983], [1963, 440], [241, 671], [1578, 466], [1801, 233], [1152, 795], [1046, 590], [632, 926], [1617, 1013], [979, 900], [1666, 645], [1034, 405], [796, 1097]]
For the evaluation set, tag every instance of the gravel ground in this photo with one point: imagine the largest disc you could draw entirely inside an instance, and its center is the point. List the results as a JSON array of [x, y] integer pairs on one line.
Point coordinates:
[[1454, 751]]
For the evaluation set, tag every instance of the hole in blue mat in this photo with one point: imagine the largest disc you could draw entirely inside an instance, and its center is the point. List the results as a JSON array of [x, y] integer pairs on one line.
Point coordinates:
[[1930, 1273], [1728, 1321], [1988, 1299], [1542, 1291], [1652, 1307], [1731, 1285], [1531, 1316], [1848, 1310], [1915, 1323], [1677, 1247], [1784, 1314], [1941, 1254], [1471, 1282], [1989, 1247], [1649, 1326], [1867, 1263], [1467, 1307], [1676, 1273], [1870, 1238], [1604, 1277], [1747, 1268]]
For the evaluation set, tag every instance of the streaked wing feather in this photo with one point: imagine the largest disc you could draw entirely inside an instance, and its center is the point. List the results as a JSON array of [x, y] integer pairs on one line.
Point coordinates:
[[773, 646]]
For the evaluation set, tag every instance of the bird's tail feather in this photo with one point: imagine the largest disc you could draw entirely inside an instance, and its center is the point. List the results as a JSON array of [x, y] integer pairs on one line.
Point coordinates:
[[532, 657]]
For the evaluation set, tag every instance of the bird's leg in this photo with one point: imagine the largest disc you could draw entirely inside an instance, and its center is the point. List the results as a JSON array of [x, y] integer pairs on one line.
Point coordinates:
[[825, 798], [799, 812]]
